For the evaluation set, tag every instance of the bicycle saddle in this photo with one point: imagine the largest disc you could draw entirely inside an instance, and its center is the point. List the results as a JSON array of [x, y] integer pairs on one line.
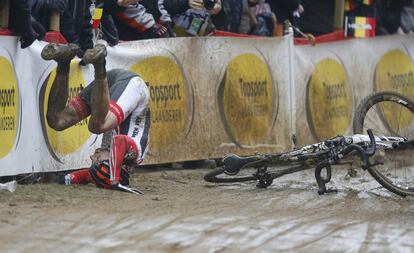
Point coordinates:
[[233, 163]]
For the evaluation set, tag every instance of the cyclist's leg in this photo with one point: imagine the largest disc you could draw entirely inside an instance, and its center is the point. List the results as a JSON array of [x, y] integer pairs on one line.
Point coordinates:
[[100, 120], [78, 177], [60, 116]]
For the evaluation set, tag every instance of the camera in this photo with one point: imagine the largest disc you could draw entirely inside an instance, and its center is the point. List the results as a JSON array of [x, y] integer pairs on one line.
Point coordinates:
[[209, 4]]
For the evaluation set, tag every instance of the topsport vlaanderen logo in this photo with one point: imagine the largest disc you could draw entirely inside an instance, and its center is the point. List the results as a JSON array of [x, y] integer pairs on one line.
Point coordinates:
[[61, 143], [9, 107], [328, 100], [246, 99], [170, 103], [395, 72]]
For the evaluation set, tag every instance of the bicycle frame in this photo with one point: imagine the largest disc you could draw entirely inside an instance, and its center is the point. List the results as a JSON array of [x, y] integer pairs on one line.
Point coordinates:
[[320, 156]]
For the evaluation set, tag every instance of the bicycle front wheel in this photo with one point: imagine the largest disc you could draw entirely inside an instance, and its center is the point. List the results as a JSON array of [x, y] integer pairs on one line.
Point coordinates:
[[389, 114]]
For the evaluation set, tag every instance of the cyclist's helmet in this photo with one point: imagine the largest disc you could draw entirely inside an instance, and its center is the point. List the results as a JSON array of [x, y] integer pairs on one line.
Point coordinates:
[[101, 175]]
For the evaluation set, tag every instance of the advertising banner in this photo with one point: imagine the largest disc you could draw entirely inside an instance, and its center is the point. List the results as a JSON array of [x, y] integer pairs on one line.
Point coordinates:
[[208, 100], [334, 77], [209, 96]]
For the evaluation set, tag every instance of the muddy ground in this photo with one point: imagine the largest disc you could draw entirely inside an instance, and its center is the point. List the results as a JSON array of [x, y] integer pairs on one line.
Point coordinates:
[[179, 212]]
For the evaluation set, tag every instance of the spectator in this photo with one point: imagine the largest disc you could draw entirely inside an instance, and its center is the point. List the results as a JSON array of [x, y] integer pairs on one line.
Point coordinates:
[[263, 19], [75, 25], [233, 10], [157, 9], [407, 18], [107, 28], [22, 23], [388, 15], [134, 23], [41, 9], [284, 10], [318, 18], [193, 16]]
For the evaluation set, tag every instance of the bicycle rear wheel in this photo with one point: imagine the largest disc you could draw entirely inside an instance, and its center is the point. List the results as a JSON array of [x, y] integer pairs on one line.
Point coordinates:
[[389, 114], [218, 176]]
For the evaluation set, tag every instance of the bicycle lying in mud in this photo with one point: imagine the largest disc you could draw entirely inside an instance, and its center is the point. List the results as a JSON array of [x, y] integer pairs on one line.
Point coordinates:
[[394, 168]]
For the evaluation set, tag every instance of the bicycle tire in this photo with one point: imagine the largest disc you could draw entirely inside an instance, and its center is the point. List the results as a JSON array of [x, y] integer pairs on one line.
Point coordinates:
[[212, 177], [381, 173]]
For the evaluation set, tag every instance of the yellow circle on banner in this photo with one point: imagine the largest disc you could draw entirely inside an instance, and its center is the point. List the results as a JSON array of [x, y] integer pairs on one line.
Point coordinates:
[[395, 72], [71, 139], [9, 107], [247, 99], [329, 101], [168, 103]]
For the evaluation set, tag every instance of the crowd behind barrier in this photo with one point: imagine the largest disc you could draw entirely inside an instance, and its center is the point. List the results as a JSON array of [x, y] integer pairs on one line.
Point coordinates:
[[85, 21]]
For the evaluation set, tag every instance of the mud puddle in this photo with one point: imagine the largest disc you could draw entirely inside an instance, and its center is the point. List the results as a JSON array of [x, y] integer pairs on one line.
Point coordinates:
[[181, 213]]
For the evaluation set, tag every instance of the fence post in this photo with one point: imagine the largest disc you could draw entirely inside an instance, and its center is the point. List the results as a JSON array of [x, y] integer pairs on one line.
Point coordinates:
[[288, 34], [4, 13], [54, 21], [339, 14]]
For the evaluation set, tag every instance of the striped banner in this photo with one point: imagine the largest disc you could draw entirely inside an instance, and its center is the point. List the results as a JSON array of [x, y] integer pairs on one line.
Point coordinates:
[[359, 27]]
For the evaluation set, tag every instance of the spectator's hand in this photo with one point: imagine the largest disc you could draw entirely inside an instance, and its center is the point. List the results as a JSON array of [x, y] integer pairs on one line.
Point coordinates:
[[168, 26], [216, 9], [300, 9], [126, 3], [196, 4], [39, 30], [159, 31], [57, 5], [27, 39]]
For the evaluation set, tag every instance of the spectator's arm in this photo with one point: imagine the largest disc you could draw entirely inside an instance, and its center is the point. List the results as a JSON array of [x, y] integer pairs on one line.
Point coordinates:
[[86, 36], [165, 16], [137, 18], [21, 22], [66, 26]]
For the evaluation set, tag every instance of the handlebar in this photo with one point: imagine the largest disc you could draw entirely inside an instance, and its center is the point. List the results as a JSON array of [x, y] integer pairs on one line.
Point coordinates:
[[333, 158], [363, 154]]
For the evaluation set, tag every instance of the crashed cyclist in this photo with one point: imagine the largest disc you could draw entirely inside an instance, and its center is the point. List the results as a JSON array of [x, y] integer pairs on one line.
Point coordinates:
[[117, 101]]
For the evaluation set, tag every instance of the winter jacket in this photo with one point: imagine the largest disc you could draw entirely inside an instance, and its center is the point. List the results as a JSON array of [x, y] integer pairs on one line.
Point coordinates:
[[75, 24], [284, 9]]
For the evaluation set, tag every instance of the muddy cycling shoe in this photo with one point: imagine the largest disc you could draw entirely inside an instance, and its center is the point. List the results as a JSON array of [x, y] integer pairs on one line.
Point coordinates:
[[59, 52], [95, 55]]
